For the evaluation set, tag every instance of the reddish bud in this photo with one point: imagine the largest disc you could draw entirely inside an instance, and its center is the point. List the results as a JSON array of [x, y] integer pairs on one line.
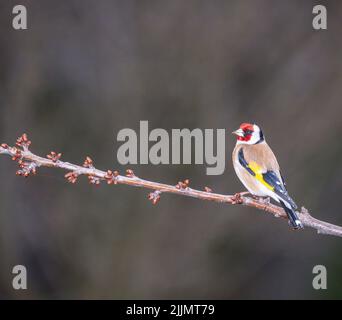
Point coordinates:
[[154, 196], [111, 177], [26, 168], [93, 179], [88, 162], [130, 173], [23, 141], [16, 154], [71, 177], [183, 184], [53, 156]]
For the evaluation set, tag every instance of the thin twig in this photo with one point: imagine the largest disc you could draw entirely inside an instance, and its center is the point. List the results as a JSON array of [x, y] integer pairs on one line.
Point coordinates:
[[29, 162]]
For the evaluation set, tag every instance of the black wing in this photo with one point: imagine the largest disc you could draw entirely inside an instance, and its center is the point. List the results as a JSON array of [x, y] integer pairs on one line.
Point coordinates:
[[279, 187], [271, 179]]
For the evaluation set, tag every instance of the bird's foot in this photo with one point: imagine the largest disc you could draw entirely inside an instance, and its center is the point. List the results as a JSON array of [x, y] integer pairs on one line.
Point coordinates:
[[237, 197], [264, 200]]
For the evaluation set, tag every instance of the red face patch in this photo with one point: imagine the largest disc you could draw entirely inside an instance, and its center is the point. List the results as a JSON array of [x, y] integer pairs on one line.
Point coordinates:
[[246, 126], [248, 130]]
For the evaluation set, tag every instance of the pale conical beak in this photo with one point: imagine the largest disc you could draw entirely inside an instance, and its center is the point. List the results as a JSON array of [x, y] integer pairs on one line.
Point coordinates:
[[238, 132]]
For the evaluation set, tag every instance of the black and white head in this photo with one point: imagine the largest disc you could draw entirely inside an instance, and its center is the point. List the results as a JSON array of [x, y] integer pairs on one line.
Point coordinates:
[[249, 134]]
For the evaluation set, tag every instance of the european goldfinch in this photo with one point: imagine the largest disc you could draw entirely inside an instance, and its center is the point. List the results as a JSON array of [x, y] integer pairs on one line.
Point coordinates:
[[257, 168]]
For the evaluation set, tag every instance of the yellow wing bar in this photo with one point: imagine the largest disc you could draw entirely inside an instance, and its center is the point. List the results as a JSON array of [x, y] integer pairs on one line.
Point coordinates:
[[259, 174]]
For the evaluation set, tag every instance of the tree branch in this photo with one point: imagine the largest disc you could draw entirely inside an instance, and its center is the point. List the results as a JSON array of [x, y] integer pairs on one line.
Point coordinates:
[[29, 162]]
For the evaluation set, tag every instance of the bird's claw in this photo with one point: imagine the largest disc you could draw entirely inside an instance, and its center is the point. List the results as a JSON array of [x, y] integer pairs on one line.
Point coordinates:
[[265, 200]]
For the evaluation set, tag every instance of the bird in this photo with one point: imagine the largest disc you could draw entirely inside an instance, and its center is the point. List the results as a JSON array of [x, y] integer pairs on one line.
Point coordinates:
[[257, 168]]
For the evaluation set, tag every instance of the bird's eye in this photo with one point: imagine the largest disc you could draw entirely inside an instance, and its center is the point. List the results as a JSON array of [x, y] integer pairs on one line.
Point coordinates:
[[248, 132]]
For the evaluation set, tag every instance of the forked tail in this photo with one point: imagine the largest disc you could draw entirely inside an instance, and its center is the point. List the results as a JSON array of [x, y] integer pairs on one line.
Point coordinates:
[[292, 215]]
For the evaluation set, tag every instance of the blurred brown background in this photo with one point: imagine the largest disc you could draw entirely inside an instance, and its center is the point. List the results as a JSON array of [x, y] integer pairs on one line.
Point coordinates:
[[86, 69]]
